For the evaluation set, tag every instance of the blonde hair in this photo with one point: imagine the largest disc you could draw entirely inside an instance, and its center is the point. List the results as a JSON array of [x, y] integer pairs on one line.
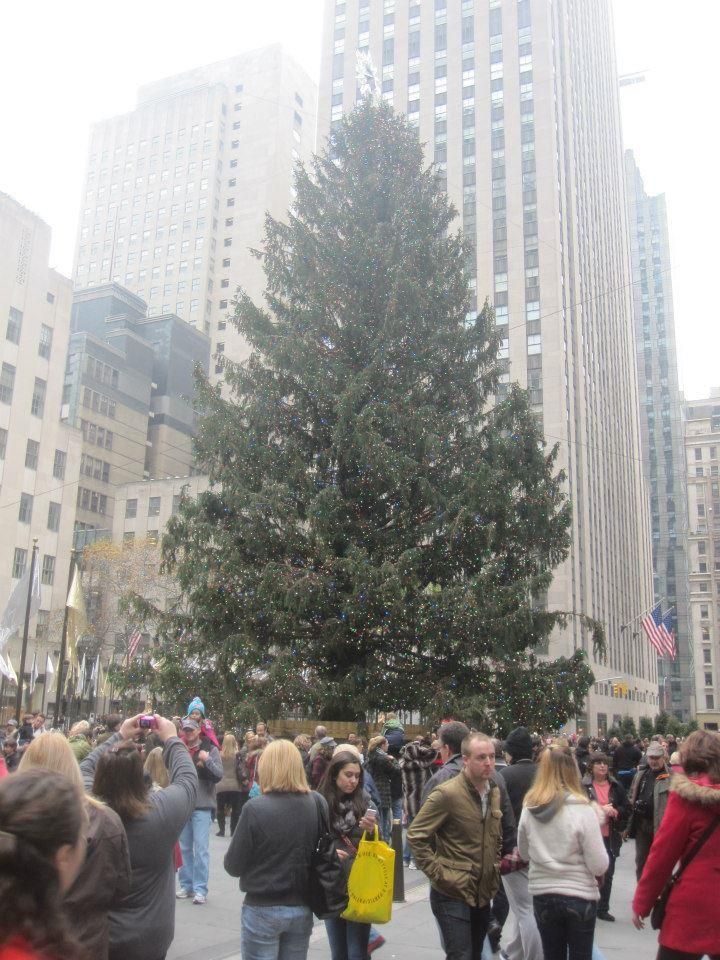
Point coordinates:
[[557, 774], [155, 768], [302, 741], [280, 769], [229, 747], [347, 748], [51, 751], [81, 728]]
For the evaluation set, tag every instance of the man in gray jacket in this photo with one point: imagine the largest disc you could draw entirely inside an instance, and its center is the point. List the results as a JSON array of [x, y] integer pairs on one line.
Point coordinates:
[[195, 837]]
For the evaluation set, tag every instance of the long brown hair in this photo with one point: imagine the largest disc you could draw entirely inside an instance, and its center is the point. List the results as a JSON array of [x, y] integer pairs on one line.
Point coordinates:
[[329, 788], [40, 812], [120, 783]]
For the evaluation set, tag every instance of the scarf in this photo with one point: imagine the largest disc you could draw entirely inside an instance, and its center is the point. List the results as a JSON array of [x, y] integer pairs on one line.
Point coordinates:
[[344, 819]]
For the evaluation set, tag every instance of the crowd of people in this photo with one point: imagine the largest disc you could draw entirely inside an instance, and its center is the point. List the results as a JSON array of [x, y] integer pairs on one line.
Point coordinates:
[[104, 828]]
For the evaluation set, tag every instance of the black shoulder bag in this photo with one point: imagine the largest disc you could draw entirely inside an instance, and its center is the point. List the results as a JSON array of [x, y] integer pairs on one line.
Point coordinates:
[[658, 911], [328, 883]]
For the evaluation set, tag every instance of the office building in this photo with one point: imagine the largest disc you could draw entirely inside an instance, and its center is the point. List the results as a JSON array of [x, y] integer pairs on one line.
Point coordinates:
[[39, 454], [176, 191], [129, 388], [516, 102], [661, 423], [702, 446]]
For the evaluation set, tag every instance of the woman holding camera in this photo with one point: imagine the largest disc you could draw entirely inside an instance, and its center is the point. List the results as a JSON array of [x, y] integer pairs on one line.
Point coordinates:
[[142, 924]]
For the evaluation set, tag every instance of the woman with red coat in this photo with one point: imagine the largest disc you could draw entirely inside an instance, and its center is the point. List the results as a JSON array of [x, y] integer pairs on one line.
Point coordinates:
[[690, 929]]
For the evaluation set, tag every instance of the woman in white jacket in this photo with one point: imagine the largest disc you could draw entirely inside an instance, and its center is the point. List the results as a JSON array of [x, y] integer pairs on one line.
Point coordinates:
[[559, 834]]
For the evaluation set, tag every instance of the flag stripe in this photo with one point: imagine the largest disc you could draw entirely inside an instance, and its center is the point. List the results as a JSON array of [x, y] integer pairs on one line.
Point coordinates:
[[651, 626]]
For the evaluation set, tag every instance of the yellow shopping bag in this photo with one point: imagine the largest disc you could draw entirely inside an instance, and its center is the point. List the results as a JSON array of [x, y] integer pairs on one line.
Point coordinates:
[[371, 882]]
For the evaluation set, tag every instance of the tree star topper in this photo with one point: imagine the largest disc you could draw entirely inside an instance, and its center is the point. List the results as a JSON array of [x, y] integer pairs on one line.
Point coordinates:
[[367, 76]]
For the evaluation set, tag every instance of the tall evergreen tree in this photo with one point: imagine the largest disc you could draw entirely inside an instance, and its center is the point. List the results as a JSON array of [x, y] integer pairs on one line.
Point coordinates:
[[377, 532]]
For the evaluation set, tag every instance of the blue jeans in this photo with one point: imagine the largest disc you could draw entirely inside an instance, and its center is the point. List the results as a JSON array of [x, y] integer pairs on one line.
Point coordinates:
[[462, 927], [195, 849], [566, 925], [275, 933], [407, 852], [348, 940]]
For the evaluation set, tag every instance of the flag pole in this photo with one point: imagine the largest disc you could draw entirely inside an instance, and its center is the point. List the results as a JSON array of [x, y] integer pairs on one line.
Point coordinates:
[[63, 643], [26, 629], [45, 683]]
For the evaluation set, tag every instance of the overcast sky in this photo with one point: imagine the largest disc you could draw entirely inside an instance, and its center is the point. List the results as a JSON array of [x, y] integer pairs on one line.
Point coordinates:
[[65, 65]]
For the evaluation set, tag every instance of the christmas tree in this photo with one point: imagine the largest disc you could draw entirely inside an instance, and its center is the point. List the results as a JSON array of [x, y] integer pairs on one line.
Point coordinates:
[[378, 531]]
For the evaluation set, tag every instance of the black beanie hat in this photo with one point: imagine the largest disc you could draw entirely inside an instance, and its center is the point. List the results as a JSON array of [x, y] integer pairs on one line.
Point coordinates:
[[519, 744]]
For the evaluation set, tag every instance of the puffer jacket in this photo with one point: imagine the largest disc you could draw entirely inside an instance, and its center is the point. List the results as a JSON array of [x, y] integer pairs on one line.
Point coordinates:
[[690, 923], [455, 845]]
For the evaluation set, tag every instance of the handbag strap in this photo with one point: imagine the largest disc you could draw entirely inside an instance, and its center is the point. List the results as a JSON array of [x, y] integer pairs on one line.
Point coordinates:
[[323, 828], [706, 834]]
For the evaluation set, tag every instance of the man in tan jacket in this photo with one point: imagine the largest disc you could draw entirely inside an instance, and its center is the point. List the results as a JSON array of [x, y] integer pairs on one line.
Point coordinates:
[[457, 841]]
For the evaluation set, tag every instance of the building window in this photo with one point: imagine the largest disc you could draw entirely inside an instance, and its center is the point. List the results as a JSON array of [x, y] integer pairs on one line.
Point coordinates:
[[48, 570], [709, 701], [19, 561], [154, 507], [131, 509], [32, 454], [45, 344], [59, 464], [128, 538], [176, 503], [153, 537], [37, 405], [14, 325], [226, 262], [227, 242], [3, 442], [698, 453], [7, 383], [41, 625], [26, 505], [54, 516]]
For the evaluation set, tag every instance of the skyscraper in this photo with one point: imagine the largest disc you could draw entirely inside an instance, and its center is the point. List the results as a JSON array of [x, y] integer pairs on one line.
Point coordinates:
[[661, 421], [702, 446], [176, 191], [516, 101], [39, 455]]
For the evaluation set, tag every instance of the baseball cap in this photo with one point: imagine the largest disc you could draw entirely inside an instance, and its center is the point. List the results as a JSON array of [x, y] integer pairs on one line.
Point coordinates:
[[189, 724], [655, 750], [328, 740], [12, 723]]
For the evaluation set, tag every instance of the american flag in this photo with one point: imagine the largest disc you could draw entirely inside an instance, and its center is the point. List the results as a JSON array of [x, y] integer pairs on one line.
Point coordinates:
[[651, 624], [133, 641], [668, 634]]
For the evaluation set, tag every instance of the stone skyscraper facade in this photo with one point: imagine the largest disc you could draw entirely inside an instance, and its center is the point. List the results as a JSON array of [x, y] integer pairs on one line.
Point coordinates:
[[176, 191], [661, 420], [516, 102]]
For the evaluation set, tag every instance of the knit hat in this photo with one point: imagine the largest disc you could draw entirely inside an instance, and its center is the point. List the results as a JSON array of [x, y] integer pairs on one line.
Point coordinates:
[[519, 744], [196, 704]]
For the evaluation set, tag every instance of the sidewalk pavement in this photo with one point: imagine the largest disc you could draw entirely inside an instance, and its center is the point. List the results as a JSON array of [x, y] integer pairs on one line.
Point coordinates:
[[212, 932]]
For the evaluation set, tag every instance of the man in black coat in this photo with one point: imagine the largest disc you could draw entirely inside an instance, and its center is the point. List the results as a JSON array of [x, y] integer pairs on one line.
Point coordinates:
[[518, 778], [626, 759], [520, 774]]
